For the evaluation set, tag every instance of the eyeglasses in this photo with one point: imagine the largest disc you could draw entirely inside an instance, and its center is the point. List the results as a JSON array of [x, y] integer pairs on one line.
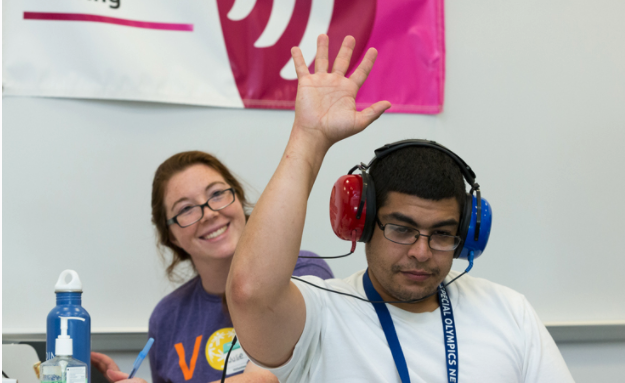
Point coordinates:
[[191, 214], [407, 236]]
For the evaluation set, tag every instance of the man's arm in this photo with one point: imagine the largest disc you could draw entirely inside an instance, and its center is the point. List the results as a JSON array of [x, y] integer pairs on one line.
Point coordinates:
[[267, 309], [252, 374]]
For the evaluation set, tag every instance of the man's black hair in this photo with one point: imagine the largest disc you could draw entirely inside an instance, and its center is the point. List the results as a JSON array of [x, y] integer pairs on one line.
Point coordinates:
[[419, 171]]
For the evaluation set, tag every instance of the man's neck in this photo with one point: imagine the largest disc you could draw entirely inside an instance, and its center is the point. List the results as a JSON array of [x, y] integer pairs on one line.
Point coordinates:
[[429, 304]]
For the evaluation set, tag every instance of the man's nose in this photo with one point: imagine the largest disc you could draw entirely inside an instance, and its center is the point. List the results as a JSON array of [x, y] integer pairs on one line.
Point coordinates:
[[421, 250]]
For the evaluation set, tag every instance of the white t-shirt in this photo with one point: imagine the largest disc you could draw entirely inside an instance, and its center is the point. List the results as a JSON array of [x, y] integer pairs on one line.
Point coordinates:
[[500, 338]]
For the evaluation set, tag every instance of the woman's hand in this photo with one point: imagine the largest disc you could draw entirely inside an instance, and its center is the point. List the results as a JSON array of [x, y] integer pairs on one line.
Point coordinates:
[[325, 107], [124, 378], [107, 367]]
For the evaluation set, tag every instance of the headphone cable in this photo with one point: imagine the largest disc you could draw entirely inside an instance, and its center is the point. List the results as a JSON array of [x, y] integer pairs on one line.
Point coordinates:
[[334, 257], [471, 256], [223, 374], [354, 239]]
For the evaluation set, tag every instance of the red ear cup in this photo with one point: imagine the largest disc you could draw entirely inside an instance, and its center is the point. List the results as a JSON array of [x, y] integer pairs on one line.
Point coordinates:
[[344, 202]]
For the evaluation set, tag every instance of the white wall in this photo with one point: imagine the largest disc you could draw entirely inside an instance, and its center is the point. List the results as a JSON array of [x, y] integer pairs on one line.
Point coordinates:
[[594, 362], [534, 103]]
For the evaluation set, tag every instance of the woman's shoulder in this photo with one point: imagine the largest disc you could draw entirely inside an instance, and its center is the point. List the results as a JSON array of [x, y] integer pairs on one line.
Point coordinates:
[[176, 315], [312, 265], [177, 298]]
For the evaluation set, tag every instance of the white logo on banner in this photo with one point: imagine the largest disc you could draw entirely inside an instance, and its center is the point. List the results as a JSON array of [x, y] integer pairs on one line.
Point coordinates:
[[281, 13]]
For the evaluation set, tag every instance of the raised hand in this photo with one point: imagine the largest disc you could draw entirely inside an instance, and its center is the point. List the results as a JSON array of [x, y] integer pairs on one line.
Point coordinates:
[[325, 106]]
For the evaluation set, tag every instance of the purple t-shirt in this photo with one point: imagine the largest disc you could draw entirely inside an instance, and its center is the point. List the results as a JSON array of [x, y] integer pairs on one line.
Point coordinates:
[[191, 331]]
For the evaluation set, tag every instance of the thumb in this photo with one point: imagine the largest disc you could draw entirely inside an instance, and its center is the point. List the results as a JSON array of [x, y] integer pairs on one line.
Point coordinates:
[[115, 376], [370, 114]]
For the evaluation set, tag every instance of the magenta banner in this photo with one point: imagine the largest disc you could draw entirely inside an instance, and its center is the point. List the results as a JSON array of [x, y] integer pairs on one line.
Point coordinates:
[[409, 36]]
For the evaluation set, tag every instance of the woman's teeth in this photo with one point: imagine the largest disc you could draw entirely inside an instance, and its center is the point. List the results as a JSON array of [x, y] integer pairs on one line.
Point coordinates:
[[216, 233]]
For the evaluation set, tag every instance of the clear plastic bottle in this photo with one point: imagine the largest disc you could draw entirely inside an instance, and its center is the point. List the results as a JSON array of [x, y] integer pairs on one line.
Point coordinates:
[[63, 368]]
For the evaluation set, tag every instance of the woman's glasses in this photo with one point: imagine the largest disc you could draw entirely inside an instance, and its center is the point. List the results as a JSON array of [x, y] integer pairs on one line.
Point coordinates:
[[191, 214]]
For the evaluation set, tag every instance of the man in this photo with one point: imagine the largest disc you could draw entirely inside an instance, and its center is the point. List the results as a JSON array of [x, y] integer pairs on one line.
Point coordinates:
[[307, 334]]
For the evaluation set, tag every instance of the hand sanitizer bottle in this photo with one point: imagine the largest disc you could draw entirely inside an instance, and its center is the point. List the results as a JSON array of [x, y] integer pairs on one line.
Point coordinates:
[[63, 368]]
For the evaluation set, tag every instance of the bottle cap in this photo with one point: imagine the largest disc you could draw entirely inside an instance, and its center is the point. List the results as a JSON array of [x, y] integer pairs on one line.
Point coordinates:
[[74, 285]]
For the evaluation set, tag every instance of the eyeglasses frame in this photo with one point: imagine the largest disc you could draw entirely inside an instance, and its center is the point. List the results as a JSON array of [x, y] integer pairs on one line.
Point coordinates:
[[174, 219], [429, 237]]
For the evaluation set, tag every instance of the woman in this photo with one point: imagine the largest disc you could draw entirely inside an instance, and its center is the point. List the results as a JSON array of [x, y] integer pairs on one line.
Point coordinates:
[[198, 208]]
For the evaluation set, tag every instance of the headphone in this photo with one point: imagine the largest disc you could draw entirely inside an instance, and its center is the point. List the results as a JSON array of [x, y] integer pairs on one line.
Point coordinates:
[[353, 210]]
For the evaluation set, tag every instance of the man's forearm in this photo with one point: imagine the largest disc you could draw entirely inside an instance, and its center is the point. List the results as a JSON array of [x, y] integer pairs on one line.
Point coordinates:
[[272, 239], [262, 300]]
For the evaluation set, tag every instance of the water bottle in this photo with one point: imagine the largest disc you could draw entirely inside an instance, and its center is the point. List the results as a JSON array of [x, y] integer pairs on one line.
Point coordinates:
[[68, 304]]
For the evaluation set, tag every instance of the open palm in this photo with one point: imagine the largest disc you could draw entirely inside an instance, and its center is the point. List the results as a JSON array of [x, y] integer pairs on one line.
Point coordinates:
[[326, 102]]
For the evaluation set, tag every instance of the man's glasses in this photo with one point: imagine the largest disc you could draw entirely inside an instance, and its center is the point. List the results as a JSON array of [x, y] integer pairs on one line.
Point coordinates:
[[407, 236], [191, 214]]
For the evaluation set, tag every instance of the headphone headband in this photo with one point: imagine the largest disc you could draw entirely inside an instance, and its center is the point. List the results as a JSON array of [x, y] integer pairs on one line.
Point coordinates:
[[387, 149]]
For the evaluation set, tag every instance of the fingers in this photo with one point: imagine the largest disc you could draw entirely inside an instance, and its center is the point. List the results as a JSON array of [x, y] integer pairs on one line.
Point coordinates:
[[341, 64], [321, 60], [300, 64], [98, 365], [370, 114], [103, 362], [96, 358], [362, 72], [115, 376]]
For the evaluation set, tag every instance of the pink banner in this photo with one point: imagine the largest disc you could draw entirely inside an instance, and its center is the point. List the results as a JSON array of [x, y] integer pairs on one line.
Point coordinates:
[[409, 36]]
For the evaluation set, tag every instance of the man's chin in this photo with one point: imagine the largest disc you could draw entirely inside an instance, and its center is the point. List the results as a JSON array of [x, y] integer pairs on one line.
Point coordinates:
[[409, 295]]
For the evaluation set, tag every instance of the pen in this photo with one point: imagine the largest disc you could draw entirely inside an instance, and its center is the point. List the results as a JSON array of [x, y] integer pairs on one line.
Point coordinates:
[[140, 357]]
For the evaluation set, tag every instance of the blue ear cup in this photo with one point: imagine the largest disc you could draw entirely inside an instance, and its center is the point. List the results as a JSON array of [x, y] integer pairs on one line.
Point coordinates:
[[471, 242]]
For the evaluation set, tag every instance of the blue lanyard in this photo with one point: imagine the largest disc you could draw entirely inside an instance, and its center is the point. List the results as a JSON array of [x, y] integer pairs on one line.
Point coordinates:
[[449, 331]]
